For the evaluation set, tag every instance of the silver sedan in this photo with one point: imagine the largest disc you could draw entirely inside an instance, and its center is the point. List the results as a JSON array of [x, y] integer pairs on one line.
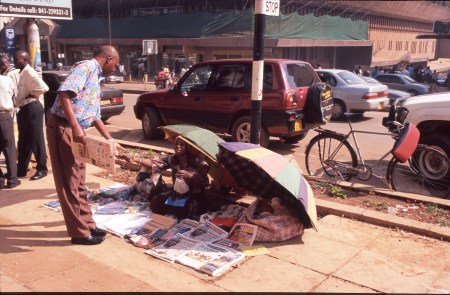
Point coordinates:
[[403, 83], [352, 94]]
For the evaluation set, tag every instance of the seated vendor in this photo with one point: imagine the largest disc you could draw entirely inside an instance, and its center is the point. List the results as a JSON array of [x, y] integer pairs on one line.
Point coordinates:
[[188, 173]]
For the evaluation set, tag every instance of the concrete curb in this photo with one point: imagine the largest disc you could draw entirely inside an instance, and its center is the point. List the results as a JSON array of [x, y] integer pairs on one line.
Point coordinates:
[[382, 219]]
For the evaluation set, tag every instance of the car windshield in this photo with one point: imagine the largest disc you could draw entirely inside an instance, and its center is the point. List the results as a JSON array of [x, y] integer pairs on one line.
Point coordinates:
[[351, 78]]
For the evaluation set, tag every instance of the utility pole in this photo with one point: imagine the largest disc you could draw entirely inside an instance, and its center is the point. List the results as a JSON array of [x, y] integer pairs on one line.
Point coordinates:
[[257, 74], [262, 7]]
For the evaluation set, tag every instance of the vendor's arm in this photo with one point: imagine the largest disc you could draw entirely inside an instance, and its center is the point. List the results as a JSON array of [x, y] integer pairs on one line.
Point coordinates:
[[78, 133], [98, 124]]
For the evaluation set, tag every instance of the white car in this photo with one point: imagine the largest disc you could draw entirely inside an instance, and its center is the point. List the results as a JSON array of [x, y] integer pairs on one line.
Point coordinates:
[[430, 113], [351, 94]]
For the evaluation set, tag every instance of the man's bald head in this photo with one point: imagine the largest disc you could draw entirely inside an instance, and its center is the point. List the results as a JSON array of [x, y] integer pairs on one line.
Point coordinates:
[[21, 59], [108, 58]]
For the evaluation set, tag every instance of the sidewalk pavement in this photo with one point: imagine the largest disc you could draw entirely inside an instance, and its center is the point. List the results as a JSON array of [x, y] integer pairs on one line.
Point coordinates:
[[344, 255]]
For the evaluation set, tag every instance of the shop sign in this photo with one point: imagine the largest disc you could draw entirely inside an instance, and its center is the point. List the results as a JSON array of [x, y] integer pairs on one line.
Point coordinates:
[[49, 9]]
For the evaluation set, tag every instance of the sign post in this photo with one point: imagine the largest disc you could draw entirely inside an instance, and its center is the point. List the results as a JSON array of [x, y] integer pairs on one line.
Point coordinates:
[[262, 8], [55, 9]]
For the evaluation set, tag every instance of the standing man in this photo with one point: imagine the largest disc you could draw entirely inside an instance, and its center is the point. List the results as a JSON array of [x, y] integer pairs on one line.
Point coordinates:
[[77, 107], [7, 141], [30, 118]]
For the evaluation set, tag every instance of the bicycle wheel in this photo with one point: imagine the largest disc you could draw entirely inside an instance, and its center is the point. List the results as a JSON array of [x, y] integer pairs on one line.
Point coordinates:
[[427, 172], [330, 155]]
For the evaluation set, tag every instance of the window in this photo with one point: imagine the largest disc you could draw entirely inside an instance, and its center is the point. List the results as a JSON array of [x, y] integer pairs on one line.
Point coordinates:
[[197, 79], [229, 77], [300, 75]]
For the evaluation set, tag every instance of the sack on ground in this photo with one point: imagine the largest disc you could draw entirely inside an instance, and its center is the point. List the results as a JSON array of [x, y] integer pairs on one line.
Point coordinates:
[[281, 225]]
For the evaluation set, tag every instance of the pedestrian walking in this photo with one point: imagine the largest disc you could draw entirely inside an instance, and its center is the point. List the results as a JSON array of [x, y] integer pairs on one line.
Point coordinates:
[[77, 107], [30, 118], [7, 141]]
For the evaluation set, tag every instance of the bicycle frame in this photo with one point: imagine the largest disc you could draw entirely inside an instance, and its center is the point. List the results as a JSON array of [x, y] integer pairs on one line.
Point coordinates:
[[352, 133]]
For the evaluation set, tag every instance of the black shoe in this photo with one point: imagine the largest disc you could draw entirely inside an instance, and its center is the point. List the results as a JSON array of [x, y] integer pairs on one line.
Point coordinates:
[[39, 175], [98, 232], [21, 174], [14, 184], [91, 240]]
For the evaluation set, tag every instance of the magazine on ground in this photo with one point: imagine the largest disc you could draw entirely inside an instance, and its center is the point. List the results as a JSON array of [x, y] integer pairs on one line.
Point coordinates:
[[96, 151], [226, 217], [207, 232], [184, 226], [243, 233], [173, 248], [54, 205], [146, 238]]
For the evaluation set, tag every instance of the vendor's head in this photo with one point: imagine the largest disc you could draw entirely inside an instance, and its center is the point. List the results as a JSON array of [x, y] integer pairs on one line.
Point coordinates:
[[180, 146]]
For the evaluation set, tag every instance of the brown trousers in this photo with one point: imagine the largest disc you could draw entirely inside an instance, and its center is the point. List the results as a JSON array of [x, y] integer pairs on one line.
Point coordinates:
[[70, 179]]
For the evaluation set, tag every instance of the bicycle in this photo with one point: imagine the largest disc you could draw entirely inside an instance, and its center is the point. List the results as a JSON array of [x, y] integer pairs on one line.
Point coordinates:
[[425, 170]]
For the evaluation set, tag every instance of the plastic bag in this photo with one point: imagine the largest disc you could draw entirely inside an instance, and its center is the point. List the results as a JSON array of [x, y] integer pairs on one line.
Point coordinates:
[[180, 186]]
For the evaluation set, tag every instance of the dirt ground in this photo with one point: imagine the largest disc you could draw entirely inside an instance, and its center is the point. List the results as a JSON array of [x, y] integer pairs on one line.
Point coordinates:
[[424, 212]]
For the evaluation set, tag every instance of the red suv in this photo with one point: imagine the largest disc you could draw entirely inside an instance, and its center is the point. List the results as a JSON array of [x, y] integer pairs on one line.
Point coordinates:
[[216, 95]]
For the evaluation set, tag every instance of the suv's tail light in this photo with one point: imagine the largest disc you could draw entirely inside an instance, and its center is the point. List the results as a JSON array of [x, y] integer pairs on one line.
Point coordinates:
[[291, 100], [370, 95], [117, 99]]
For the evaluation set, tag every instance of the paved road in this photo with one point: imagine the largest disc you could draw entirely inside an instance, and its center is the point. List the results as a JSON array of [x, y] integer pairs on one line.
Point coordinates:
[[127, 127]]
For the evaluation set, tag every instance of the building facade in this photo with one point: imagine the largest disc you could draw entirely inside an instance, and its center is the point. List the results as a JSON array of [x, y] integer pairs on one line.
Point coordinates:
[[390, 37]]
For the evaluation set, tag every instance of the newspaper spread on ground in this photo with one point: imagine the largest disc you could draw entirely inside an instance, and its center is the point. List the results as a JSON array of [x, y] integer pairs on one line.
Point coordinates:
[[207, 232], [173, 248], [122, 224], [196, 258], [222, 262], [243, 233], [184, 226], [227, 243], [226, 217], [96, 151]]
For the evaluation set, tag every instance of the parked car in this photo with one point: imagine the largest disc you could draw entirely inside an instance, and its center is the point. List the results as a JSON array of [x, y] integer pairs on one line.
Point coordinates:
[[352, 94], [441, 80], [393, 95], [403, 83], [111, 103], [430, 114], [216, 95], [114, 77]]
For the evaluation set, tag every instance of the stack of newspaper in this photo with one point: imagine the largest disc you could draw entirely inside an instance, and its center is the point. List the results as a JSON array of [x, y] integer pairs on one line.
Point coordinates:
[[201, 246]]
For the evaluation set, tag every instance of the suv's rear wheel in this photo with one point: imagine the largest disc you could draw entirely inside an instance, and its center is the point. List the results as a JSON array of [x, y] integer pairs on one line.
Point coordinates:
[[241, 131], [150, 124]]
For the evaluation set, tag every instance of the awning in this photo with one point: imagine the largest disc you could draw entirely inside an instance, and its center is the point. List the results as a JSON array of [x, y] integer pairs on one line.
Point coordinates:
[[441, 65], [389, 57], [418, 58]]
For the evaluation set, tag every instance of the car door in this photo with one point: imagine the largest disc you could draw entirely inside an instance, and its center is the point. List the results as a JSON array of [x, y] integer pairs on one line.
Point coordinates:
[[184, 104], [230, 89]]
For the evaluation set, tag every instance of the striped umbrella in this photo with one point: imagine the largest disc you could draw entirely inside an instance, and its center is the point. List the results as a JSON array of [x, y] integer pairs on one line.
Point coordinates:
[[268, 174]]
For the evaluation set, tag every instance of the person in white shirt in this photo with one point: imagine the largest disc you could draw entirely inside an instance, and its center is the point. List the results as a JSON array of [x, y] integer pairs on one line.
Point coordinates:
[[30, 118], [7, 141]]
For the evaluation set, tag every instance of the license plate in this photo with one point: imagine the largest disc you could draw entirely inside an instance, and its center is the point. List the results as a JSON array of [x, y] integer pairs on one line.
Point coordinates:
[[297, 125], [380, 106], [103, 102]]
